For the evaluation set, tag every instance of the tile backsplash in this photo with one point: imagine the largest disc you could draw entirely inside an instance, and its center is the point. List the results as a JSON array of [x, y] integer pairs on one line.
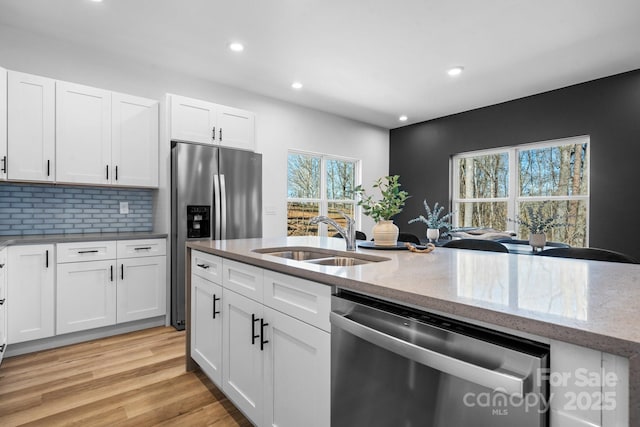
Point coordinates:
[[27, 209]]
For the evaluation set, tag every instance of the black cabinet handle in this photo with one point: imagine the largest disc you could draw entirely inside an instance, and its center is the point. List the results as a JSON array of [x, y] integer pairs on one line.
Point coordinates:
[[262, 340], [214, 306], [220, 134], [4, 164], [142, 248], [2, 301], [116, 173], [93, 251], [107, 171], [48, 167], [213, 133], [122, 271], [2, 347], [254, 319], [46, 259], [111, 271], [205, 266], [1, 265]]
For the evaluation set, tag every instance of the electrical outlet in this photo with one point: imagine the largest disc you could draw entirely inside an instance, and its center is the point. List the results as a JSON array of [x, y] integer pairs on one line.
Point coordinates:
[[124, 207]]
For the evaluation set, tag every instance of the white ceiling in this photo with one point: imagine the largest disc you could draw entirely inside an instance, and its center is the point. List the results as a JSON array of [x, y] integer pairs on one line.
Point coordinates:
[[369, 60]]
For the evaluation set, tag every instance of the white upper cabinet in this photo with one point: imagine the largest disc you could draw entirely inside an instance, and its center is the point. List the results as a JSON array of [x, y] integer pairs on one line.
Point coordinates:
[[236, 128], [3, 124], [194, 120], [134, 141], [31, 128], [83, 134]]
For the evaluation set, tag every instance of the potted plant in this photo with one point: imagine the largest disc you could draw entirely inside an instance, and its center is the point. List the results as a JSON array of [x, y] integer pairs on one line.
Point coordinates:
[[391, 202], [434, 221], [537, 223]]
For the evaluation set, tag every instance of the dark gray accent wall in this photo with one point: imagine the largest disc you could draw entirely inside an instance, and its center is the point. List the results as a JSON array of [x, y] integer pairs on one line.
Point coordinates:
[[608, 110]]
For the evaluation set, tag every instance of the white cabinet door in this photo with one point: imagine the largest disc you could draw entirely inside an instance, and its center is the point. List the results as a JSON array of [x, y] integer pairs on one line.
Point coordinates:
[[31, 297], [134, 143], [3, 302], [236, 128], [206, 327], [30, 127], [193, 120], [297, 373], [241, 355], [86, 296], [3, 125], [142, 286], [83, 134]]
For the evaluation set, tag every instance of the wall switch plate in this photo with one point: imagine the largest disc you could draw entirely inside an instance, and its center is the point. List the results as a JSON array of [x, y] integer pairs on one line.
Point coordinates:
[[124, 207]]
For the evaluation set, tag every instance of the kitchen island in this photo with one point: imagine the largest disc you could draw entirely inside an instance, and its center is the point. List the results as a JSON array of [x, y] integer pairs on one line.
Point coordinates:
[[590, 304]]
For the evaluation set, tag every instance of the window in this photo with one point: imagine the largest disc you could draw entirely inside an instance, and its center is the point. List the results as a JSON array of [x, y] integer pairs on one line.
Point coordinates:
[[493, 185], [318, 185]]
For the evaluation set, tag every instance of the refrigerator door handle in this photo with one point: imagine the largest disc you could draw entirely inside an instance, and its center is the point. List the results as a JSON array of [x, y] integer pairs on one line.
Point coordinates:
[[216, 210], [223, 208]]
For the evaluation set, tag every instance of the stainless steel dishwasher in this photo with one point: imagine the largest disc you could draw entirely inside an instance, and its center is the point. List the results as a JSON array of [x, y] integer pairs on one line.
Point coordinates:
[[394, 366]]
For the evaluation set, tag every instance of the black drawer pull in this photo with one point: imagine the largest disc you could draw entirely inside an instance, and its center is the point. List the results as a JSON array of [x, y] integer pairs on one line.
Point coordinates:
[[1, 265], [254, 319], [2, 347], [205, 266], [2, 301], [262, 340], [142, 248], [93, 251], [122, 271], [107, 172], [214, 306], [4, 164], [111, 271], [46, 262]]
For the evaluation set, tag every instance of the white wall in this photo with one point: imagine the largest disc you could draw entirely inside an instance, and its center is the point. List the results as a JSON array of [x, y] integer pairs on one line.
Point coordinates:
[[279, 125]]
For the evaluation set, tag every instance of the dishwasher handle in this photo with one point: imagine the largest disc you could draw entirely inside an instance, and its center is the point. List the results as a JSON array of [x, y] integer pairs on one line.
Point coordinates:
[[508, 383]]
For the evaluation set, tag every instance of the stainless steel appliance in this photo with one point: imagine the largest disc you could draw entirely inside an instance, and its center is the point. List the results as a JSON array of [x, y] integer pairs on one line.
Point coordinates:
[[396, 366], [216, 193]]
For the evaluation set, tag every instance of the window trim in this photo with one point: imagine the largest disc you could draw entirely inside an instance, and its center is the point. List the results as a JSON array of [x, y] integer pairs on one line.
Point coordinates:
[[513, 199], [323, 202]]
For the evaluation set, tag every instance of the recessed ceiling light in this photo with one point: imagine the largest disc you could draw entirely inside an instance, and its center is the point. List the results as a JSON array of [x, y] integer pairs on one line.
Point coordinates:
[[403, 118], [296, 85], [455, 71], [236, 47], [97, 1]]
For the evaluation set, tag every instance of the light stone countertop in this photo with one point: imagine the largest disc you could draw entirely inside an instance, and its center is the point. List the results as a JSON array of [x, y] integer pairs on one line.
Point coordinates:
[[589, 303], [76, 237]]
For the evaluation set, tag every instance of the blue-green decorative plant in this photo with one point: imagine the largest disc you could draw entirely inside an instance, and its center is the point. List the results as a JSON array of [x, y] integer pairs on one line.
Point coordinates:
[[433, 218], [536, 221]]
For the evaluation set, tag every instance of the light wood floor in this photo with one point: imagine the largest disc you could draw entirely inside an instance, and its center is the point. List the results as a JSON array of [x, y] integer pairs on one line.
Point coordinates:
[[135, 379]]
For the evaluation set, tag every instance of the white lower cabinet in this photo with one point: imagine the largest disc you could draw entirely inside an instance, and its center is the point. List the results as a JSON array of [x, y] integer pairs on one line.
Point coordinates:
[[206, 327], [296, 373], [242, 360], [141, 288], [86, 295], [273, 339], [3, 302], [31, 295]]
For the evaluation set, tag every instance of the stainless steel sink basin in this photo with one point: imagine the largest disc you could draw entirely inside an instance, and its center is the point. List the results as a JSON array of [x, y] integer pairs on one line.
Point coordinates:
[[340, 261], [321, 256]]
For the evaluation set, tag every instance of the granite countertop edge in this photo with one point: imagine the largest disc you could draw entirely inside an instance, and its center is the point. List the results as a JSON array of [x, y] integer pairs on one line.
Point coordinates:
[[77, 237]]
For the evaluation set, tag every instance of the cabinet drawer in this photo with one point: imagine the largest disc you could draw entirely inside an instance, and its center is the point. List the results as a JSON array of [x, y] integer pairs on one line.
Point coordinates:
[[243, 279], [86, 251], [303, 299], [140, 248], [207, 266]]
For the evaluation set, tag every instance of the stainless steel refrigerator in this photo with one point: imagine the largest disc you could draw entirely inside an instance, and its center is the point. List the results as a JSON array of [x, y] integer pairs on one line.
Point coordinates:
[[216, 193]]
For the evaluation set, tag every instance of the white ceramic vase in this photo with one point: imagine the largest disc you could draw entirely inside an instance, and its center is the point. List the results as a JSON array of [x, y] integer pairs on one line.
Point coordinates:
[[385, 233], [433, 234], [537, 241]]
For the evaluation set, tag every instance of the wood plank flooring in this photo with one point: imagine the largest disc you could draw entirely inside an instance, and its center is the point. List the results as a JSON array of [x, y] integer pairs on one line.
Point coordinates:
[[135, 379]]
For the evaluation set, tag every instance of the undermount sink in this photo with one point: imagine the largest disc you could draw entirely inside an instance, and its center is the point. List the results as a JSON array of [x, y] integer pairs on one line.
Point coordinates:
[[321, 256]]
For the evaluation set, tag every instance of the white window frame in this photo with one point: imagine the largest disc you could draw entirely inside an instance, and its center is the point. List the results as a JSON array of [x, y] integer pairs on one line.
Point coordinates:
[[323, 202], [513, 199]]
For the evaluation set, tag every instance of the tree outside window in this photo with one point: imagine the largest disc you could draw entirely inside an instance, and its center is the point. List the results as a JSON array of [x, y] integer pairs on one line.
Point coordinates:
[[493, 185], [318, 185]]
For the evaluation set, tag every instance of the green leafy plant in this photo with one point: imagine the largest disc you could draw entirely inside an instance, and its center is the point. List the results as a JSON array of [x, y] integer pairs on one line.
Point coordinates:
[[391, 202], [536, 221], [433, 218]]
